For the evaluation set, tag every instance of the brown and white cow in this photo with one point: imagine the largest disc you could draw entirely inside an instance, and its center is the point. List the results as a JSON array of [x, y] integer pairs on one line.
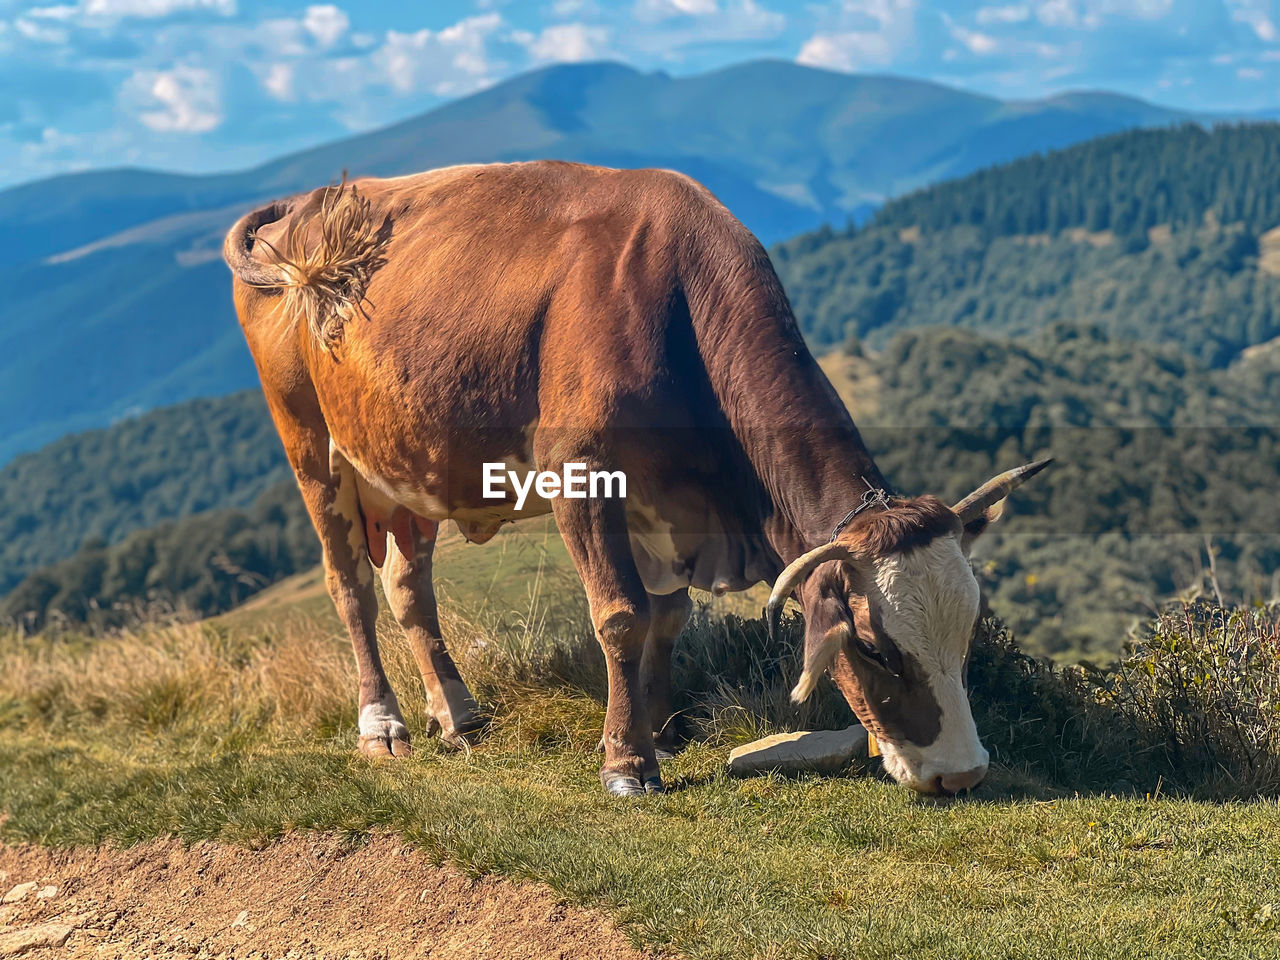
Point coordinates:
[[408, 331]]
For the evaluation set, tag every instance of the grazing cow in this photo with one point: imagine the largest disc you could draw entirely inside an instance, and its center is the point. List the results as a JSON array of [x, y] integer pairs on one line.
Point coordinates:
[[408, 331]]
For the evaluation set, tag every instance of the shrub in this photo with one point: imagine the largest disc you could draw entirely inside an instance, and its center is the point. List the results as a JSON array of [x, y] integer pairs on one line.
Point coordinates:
[[1193, 707], [1201, 691]]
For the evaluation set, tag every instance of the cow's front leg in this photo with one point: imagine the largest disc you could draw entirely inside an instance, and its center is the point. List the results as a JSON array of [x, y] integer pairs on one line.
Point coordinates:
[[667, 616], [595, 531], [411, 595], [334, 508]]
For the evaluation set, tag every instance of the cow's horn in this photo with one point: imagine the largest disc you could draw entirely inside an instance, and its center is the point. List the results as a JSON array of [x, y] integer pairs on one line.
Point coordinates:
[[795, 573], [997, 488]]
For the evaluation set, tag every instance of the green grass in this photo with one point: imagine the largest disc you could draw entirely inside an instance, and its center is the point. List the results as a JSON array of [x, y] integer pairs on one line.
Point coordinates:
[[849, 867], [241, 731]]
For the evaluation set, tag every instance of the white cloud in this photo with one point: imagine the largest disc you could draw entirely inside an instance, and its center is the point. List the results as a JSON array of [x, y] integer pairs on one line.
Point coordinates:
[[871, 34], [1256, 15], [40, 32], [650, 10], [570, 42], [851, 50], [279, 80], [58, 12], [1059, 13], [1250, 73], [982, 44], [573, 8], [1010, 14], [155, 8], [182, 100], [1089, 14], [326, 23], [446, 62], [746, 20]]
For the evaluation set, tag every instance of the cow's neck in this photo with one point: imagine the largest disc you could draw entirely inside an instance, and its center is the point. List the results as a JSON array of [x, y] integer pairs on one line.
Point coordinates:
[[784, 412], [813, 464]]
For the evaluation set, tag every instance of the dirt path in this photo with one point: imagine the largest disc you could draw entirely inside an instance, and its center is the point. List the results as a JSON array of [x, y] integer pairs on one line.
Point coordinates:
[[303, 897]]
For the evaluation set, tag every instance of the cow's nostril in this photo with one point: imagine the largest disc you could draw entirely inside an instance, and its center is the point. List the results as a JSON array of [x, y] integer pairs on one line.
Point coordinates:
[[955, 782]]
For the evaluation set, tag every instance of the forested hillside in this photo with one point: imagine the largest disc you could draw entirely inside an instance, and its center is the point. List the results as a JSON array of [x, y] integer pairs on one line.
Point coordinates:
[[1152, 235], [102, 485], [204, 563]]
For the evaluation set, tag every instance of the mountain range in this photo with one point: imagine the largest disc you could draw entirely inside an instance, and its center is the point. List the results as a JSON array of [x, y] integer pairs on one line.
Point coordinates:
[[116, 300]]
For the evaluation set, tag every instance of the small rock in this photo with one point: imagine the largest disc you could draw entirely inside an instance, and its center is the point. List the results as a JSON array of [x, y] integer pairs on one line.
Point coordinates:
[[32, 938], [822, 751], [241, 922], [20, 891], [47, 893]]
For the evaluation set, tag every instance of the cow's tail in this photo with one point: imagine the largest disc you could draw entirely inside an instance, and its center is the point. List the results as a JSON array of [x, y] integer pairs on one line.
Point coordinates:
[[323, 261]]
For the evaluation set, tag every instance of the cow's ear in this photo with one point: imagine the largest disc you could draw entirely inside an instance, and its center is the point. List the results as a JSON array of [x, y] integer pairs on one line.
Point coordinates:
[[978, 525], [826, 630]]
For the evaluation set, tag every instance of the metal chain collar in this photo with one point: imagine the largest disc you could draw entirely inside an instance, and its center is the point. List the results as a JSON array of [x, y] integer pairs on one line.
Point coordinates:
[[874, 497]]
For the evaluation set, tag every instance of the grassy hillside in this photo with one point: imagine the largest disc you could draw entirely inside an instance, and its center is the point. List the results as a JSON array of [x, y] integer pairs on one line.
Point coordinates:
[[114, 281], [1161, 236], [1086, 840]]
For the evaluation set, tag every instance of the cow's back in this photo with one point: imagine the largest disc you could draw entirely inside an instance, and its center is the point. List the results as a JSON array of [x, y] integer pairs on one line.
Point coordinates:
[[511, 295]]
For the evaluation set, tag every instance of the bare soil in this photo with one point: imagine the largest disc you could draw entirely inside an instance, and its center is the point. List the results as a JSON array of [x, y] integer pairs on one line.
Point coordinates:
[[307, 896]]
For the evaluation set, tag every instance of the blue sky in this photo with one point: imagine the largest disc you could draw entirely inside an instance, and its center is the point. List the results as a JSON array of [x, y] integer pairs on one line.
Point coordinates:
[[202, 85]]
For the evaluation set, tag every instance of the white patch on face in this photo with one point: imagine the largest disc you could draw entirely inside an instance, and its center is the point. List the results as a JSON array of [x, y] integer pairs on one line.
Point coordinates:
[[928, 601], [382, 719]]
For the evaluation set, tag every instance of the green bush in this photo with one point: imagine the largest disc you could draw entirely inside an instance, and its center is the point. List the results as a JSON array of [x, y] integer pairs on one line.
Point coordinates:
[[1201, 691]]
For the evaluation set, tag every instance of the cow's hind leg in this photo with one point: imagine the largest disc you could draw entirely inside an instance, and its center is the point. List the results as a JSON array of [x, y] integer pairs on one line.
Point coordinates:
[[595, 531], [328, 488], [407, 584], [667, 617]]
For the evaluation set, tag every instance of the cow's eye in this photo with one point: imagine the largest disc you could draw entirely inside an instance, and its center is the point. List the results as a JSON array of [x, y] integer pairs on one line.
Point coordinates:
[[874, 655]]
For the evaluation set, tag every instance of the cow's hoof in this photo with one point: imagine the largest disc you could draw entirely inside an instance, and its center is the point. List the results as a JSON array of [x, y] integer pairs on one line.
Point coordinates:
[[467, 734], [625, 785], [621, 785], [385, 747]]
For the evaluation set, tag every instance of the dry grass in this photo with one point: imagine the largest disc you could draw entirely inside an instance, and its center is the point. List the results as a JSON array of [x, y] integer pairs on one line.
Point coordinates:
[[189, 680], [1194, 710]]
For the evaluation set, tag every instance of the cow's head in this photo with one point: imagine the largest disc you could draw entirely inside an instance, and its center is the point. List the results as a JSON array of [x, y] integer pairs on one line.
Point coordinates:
[[890, 606]]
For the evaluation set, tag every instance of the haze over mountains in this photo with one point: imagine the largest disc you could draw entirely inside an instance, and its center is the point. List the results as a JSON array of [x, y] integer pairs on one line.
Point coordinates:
[[116, 299]]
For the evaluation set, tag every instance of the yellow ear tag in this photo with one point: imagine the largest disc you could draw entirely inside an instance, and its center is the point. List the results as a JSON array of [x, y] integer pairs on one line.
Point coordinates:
[[873, 745]]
